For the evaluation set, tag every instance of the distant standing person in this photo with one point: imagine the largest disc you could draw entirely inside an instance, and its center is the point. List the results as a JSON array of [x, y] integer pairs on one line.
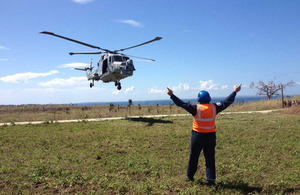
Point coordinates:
[[204, 130]]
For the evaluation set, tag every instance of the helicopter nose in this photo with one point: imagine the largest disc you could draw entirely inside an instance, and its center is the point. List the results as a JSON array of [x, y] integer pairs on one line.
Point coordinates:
[[130, 67]]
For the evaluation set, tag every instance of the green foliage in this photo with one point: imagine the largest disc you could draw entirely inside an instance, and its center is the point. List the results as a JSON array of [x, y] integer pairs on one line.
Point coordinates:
[[129, 102], [255, 153], [111, 107]]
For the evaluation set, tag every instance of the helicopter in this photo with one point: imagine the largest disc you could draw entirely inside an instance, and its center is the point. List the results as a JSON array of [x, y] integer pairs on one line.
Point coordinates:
[[112, 66]]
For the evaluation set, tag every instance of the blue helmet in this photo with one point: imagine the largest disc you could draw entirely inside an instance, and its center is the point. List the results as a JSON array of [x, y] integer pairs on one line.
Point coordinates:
[[203, 97]]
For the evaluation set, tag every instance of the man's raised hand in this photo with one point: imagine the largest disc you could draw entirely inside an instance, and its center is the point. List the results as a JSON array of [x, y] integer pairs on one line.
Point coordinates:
[[169, 91], [238, 88]]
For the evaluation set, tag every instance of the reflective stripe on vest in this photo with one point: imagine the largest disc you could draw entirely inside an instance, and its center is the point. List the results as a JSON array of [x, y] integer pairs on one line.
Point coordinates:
[[204, 121]]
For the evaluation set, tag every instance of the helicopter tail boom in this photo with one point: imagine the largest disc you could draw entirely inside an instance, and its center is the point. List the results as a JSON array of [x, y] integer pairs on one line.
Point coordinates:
[[82, 69]]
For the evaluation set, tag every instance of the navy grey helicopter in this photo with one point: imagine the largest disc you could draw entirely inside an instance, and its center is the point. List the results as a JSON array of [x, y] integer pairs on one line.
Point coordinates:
[[112, 66]]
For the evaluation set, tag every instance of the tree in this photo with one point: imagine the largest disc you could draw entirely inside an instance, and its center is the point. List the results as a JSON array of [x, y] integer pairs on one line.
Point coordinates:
[[129, 102], [111, 107], [270, 89]]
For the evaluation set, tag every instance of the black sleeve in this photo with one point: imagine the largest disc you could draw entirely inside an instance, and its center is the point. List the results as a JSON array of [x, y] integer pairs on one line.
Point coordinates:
[[222, 105], [192, 109]]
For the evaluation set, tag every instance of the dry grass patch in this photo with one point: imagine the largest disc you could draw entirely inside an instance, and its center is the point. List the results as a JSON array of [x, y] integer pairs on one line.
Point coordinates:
[[293, 110], [256, 105]]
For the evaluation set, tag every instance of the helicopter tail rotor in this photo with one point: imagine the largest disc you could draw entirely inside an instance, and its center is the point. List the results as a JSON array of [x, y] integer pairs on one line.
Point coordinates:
[[91, 65], [86, 68]]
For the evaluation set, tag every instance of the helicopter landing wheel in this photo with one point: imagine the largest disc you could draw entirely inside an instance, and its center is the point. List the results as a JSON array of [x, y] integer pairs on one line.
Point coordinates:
[[117, 83], [119, 86], [91, 85]]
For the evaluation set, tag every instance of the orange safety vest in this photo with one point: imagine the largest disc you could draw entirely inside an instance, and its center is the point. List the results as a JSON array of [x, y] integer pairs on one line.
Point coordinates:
[[204, 120]]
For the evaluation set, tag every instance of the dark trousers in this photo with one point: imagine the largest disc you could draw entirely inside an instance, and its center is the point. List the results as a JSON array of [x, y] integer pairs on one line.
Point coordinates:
[[207, 142]]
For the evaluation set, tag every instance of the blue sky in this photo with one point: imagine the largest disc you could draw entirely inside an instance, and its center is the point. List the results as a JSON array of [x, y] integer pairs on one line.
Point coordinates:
[[206, 45]]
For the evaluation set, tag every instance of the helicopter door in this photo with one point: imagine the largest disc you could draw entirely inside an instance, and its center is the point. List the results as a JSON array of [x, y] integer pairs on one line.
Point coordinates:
[[104, 66]]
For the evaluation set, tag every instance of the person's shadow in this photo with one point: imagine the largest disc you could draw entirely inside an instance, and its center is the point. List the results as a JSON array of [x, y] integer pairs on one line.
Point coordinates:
[[241, 186], [150, 121], [244, 187]]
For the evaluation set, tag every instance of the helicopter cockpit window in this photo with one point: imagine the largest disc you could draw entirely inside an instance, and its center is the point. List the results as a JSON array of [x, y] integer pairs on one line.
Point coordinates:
[[125, 58], [117, 59]]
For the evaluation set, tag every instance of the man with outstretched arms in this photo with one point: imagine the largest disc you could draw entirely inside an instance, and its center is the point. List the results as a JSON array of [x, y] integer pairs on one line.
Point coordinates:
[[204, 130]]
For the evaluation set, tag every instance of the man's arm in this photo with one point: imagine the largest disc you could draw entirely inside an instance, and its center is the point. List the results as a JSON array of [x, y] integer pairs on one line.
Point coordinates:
[[222, 105], [192, 109]]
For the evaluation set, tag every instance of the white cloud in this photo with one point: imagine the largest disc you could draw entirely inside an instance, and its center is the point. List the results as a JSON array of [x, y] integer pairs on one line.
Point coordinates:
[[82, 1], [116, 92], [181, 86], [129, 89], [24, 77], [224, 87], [209, 85], [155, 91], [298, 83], [130, 22], [74, 65], [59, 82], [186, 89], [3, 48]]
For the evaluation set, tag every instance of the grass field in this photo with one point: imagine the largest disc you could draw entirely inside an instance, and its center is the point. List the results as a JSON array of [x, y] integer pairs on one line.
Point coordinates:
[[20, 113], [255, 154]]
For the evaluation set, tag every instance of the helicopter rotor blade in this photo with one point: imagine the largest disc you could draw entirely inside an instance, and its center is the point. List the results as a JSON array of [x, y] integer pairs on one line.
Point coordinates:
[[155, 39], [141, 58], [72, 53], [73, 40]]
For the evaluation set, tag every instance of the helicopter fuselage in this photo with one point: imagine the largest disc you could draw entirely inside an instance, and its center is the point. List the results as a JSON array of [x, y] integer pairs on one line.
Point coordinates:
[[112, 68]]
